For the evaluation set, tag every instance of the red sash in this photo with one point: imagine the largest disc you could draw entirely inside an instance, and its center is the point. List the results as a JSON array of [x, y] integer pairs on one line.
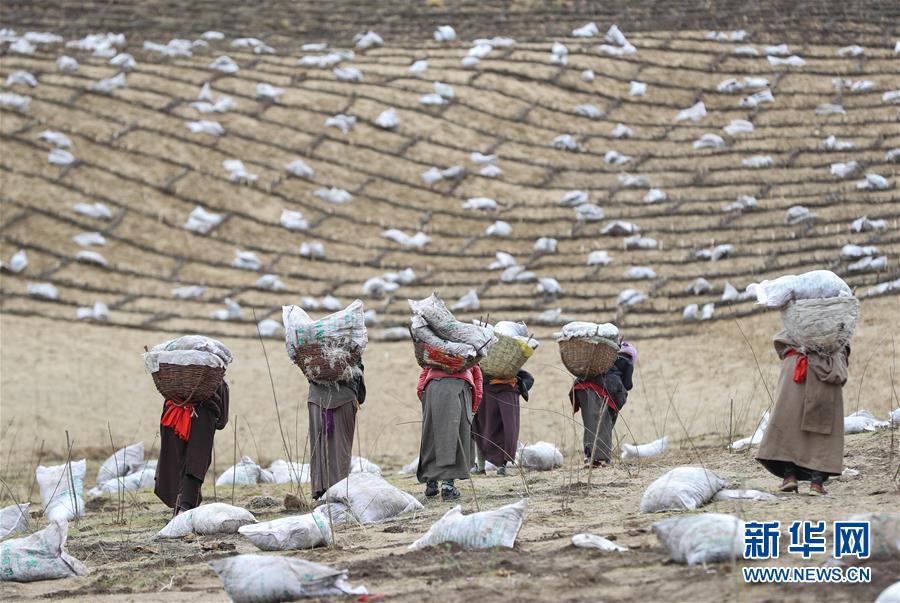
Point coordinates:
[[801, 367], [178, 418]]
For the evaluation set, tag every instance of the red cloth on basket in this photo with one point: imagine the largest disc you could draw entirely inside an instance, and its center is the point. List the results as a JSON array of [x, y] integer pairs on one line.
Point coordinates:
[[178, 418], [471, 376], [801, 367]]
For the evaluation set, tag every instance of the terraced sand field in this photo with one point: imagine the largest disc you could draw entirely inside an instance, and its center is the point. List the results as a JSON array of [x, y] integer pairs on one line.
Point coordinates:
[[699, 381]]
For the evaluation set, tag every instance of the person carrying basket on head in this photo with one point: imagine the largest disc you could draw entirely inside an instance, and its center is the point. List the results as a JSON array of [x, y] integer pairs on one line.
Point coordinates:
[[189, 373], [600, 399]]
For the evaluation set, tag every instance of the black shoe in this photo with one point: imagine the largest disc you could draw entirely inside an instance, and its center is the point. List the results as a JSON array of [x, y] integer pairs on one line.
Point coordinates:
[[431, 489], [449, 492]]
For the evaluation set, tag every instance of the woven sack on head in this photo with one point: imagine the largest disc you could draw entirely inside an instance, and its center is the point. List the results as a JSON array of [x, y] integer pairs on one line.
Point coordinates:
[[823, 326], [329, 361], [587, 357], [506, 357], [185, 383], [429, 356]]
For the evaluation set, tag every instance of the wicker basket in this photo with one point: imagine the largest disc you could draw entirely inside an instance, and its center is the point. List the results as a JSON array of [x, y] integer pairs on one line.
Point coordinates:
[[586, 358], [429, 356], [187, 383], [327, 363], [823, 326], [506, 357]]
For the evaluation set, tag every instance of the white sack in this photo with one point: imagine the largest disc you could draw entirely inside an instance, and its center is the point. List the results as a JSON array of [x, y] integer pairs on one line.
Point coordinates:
[[56, 482], [212, 518], [487, 529], [244, 473], [681, 489], [124, 461], [816, 284], [371, 498], [542, 456], [13, 520], [727, 494], [592, 541], [288, 533], [275, 578], [702, 538], [654, 448], [40, 556]]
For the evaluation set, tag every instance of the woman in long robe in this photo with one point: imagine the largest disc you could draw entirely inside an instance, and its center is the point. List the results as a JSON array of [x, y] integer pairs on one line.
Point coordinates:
[[449, 400], [186, 436], [496, 424], [805, 436], [332, 423]]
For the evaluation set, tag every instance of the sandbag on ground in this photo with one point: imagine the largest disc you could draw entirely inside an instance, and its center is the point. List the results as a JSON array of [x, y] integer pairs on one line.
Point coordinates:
[[681, 489], [122, 462], [13, 520], [702, 538], [371, 498], [483, 530], [275, 578], [288, 533], [40, 556], [212, 518], [60, 501]]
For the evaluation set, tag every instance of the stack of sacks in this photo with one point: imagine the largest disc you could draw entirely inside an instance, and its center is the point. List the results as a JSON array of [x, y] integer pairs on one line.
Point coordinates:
[[443, 342], [125, 470], [188, 350], [329, 349], [818, 308], [588, 349]]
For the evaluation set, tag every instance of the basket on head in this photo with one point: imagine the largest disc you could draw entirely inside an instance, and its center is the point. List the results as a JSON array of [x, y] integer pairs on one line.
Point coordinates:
[[823, 326], [429, 356], [587, 357], [185, 383], [506, 357], [329, 361]]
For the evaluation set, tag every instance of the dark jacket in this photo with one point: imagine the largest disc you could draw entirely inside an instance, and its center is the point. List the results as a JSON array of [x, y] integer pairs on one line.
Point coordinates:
[[618, 380], [524, 381]]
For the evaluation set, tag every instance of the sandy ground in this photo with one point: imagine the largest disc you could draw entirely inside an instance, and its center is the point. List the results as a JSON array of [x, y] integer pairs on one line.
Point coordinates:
[[77, 377], [127, 565]]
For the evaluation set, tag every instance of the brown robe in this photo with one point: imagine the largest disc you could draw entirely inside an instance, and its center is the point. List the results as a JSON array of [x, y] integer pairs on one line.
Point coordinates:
[[446, 450], [807, 424], [496, 424], [178, 458], [598, 420], [332, 423]]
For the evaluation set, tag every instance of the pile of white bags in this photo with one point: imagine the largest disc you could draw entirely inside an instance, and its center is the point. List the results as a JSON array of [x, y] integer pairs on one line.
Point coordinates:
[[13, 520], [274, 578], [142, 477], [484, 530], [40, 556], [212, 518], [339, 338], [817, 284], [681, 489], [288, 533], [654, 448], [435, 325], [890, 595], [188, 350], [122, 462], [702, 538], [542, 456], [862, 421], [370, 498], [245, 473], [60, 501]]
